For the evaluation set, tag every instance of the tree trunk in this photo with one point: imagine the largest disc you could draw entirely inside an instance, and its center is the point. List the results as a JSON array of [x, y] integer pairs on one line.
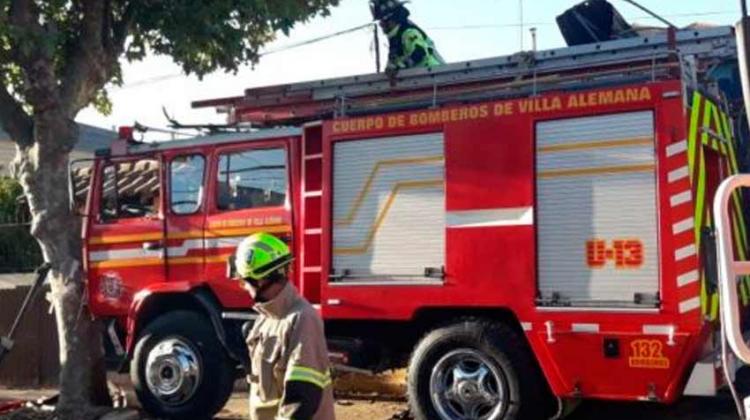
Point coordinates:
[[42, 169]]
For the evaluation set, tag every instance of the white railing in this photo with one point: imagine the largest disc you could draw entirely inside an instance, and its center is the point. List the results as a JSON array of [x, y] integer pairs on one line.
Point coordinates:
[[729, 270]]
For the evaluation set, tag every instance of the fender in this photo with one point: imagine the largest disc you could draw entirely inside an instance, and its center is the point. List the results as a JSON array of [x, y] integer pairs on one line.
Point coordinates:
[[198, 294]]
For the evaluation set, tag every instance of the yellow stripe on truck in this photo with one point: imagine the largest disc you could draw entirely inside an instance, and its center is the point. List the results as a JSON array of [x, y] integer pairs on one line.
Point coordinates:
[[193, 234], [397, 188], [594, 145], [602, 170], [121, 239], [359, 200]]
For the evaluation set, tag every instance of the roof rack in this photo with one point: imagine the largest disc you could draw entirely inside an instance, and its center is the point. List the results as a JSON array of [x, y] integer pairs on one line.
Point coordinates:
[[527, 73]]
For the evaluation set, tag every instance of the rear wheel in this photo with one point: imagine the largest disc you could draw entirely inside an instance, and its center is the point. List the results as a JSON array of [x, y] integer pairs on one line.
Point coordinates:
[[475, 370], [180, 369]]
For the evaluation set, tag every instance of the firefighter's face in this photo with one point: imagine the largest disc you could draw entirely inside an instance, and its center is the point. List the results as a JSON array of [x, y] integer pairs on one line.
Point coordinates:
[[252, 287], [263, 290], [387, 25]]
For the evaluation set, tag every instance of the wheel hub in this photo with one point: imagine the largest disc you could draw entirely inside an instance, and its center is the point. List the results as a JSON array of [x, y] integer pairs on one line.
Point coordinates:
[[465, 384], [468, 391], [173, 371]]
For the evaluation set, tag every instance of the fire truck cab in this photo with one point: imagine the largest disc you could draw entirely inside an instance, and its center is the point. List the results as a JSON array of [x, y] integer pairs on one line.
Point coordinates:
[[511, 234]]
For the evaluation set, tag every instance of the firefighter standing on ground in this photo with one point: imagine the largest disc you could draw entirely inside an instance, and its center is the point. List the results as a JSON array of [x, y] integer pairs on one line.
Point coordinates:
[[409, 45], [289, 376]]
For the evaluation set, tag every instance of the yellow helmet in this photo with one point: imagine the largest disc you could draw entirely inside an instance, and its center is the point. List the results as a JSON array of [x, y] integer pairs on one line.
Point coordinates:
[[261, 254]]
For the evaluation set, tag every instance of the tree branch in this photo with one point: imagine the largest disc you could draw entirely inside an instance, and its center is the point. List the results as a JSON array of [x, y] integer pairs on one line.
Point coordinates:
[[14, 120], [90, 66], [35, 60], [121, 28]]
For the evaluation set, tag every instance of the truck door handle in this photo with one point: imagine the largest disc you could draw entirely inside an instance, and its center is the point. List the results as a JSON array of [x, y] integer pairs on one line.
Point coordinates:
[[153, 246]]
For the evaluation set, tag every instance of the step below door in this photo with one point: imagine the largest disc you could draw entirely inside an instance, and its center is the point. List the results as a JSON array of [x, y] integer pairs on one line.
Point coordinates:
[[597, 215], [389, 210]]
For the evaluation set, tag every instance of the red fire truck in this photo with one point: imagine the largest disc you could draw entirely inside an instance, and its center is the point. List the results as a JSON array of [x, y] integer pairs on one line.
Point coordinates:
[[515, 230]]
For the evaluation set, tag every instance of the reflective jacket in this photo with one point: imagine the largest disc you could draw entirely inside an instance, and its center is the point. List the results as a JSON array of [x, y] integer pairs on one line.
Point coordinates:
[[290, 374], [409, 46]]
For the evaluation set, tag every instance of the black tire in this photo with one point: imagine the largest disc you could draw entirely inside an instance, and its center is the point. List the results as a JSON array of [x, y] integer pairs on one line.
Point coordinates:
[[527, 393], [216, 381]]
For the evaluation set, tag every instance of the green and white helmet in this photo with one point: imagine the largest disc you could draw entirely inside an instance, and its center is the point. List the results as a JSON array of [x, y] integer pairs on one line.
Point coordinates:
[[261, 254]]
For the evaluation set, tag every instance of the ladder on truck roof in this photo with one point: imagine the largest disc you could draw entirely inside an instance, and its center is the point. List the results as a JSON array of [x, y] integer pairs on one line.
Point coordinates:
[[631, 60]]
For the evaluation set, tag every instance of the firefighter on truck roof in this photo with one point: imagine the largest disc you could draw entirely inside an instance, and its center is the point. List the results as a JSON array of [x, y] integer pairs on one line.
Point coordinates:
[[409, 45], [289, 369]]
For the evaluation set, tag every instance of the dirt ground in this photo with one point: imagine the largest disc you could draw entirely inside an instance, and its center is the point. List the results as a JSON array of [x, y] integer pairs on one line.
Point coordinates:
[[384, 401], [690, 409], [236, 409]]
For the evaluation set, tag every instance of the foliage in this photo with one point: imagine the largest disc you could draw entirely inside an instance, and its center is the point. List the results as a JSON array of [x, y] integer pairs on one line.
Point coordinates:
[[19, 251], [202, 36], [56, 58], [10, 191]]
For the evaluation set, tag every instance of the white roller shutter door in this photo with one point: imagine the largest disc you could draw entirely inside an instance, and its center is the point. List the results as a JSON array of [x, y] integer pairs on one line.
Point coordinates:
[[597, 214], [389, 207]]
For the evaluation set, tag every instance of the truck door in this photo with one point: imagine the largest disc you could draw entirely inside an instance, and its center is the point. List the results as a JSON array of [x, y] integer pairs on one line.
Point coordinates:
[[125, 238], [250, 193], [186, 215], [597, 211]]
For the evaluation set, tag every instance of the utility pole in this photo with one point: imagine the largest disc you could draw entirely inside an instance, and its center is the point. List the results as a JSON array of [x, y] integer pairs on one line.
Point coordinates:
[[377, 47], [520, 21]]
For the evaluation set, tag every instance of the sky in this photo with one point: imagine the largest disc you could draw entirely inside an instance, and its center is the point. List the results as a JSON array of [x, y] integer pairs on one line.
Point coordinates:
[[462, 30]]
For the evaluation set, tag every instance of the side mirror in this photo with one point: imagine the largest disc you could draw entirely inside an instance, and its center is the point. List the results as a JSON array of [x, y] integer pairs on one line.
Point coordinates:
[[231, 267]]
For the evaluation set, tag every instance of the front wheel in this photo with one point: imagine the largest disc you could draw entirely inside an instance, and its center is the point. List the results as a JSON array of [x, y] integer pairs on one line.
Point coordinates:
[[475, 370], [180, 369]]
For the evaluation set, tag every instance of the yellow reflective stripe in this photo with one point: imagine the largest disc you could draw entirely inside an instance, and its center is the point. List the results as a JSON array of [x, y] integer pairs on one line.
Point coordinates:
[[704, 294], [708, 109], [309, 371], [700, 197], [309, 380], [693, 135], [308, 375], [714, 307], [716, 114]]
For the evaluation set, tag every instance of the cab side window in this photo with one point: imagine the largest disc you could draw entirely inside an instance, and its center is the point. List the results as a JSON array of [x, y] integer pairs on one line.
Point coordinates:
[[252, 179], [186, 183], [130, 190]]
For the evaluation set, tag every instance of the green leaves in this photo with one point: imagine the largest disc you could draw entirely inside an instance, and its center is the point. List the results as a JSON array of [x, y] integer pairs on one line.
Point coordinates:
[[202, 36], [10, 190]]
